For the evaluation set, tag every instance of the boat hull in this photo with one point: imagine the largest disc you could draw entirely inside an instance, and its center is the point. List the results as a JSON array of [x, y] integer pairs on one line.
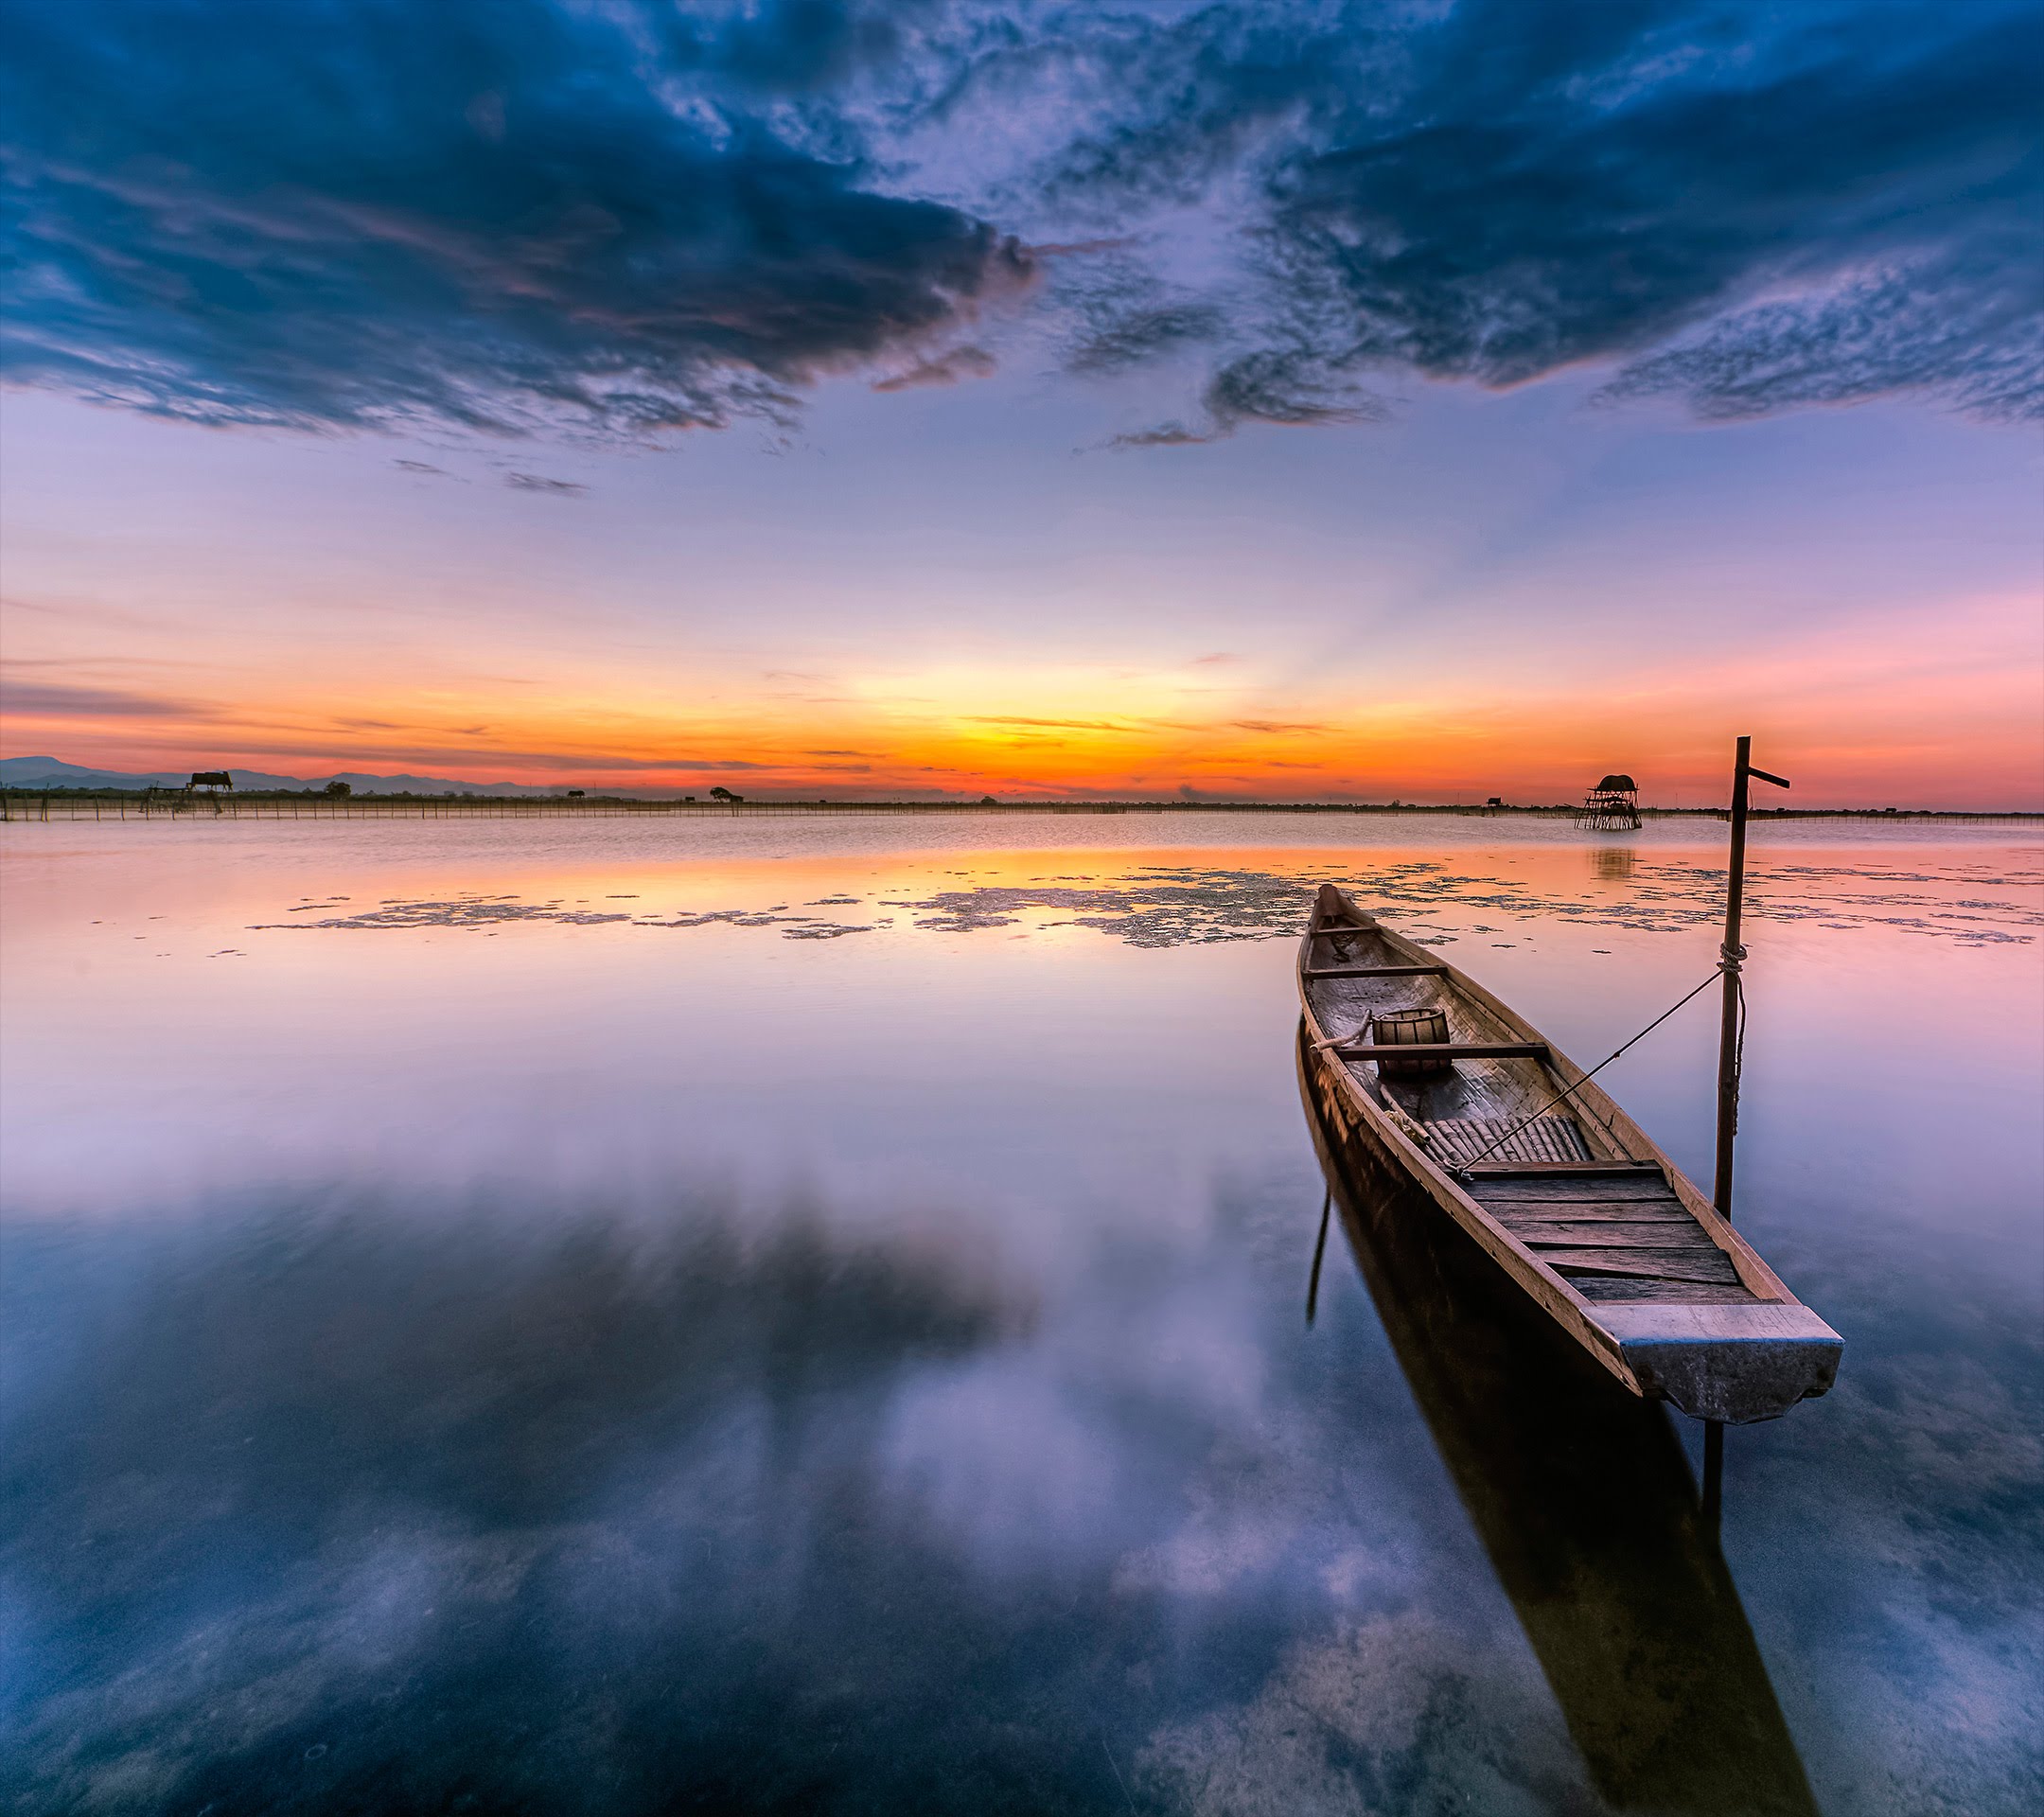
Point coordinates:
[[1587, 1506], [1729, 1343]]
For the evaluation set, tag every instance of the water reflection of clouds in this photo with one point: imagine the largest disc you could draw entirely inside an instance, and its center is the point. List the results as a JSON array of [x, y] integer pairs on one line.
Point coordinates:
[[1901, 1551], [299, 1482], [779, 1511], [302, 1502], [1394, 1712], [736, 1503]]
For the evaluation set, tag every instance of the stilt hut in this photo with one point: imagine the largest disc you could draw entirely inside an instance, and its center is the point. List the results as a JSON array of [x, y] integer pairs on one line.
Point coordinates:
[[1612, 807]]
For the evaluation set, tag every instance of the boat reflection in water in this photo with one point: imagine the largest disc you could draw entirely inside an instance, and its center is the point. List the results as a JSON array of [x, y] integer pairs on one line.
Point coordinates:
[[1583, 1498]]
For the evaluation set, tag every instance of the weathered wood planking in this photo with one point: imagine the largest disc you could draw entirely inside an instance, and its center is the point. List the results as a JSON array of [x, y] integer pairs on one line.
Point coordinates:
[[1667, 1234], [1583, 1213], [1444, 1051], [1622, 1229], [1585, 1191], [1673, 1295], [1716, 1268], [1457, 1141], [1503, 1169]]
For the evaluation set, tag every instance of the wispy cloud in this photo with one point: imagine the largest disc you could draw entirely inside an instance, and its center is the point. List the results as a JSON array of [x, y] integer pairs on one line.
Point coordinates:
[[1166, 435], [28, 699], [427, 751], [1057, 725], [943, 369]]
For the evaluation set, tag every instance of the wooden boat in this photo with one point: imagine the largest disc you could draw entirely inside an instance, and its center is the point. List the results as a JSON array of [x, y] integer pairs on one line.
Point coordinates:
[[1429, 1073], [1584, 1501]]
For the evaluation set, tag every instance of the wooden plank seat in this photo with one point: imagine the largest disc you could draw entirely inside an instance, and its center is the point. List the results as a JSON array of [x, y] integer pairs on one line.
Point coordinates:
[[1712, 1265], [1446, 1051], [1665, 1233], [1640, 1212], [1610, 1288], [1566, 1170], [1638, 1190], [1651, 1274], [1377, 971]]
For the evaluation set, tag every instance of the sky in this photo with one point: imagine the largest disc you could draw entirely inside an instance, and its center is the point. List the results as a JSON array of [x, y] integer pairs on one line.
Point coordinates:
[[1423, 399]]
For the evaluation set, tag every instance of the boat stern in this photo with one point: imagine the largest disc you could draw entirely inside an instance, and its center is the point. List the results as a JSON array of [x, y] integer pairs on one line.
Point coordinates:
[[1737, 1364]]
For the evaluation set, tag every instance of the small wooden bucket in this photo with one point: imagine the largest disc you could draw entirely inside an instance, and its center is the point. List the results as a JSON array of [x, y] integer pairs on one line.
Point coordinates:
[[1406, 1028]]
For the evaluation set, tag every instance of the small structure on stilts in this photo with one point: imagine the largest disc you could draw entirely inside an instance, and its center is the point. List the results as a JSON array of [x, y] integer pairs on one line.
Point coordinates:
[[1612, 807]]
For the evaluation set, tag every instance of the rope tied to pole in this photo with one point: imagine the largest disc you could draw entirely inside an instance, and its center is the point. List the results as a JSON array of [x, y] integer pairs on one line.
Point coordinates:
[[1462, 1171], [1735, 1073], [1730, 957]]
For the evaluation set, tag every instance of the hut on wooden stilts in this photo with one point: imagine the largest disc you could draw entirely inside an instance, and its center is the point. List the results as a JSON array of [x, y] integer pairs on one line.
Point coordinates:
[[1612, 807]]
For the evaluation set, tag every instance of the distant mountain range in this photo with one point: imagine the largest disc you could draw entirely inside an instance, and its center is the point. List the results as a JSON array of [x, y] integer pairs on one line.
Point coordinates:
[[49, 772]]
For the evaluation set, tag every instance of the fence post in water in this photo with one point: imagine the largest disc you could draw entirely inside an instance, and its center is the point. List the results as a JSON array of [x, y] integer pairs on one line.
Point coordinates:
[[1730, 1041], [1731, 956]]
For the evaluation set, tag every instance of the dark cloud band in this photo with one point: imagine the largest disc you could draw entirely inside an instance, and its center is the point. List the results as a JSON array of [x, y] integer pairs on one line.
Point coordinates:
[[638, 218], [1753, 208], [498, 213]]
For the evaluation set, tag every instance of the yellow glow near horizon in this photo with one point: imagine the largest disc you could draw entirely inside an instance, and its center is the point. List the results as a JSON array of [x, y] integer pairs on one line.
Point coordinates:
[[1884, 721]]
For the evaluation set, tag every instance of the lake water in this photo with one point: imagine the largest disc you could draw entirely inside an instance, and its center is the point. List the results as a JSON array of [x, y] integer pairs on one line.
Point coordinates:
[[811, 1314]]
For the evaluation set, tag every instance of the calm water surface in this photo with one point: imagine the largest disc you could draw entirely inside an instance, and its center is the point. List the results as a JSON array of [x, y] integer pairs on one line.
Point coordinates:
[[811, 1316]]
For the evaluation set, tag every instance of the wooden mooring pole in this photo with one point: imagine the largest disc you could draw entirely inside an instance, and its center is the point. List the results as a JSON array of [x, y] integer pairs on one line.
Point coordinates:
[[1731, 1040]]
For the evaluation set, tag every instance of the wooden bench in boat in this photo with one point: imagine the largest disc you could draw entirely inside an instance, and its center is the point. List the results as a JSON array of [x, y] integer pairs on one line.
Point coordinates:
[[1445, 1050], [1561, 1170], [1376, 971]]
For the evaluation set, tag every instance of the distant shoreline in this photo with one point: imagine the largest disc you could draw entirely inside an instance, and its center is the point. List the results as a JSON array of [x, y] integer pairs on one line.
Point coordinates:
[[71, 805]]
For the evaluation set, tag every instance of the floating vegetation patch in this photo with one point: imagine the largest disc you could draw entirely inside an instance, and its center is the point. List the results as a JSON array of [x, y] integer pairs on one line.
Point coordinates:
[[477, 912], [461, 912], [1160, 906], [727, 917], [1172, 907]]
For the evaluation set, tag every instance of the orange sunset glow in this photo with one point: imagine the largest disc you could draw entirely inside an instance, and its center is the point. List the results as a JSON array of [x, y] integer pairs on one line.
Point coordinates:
[[1887, 724]]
